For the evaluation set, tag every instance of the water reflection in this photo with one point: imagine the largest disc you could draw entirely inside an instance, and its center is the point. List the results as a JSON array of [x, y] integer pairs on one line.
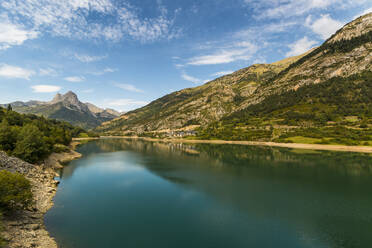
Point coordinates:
[[323, 197]]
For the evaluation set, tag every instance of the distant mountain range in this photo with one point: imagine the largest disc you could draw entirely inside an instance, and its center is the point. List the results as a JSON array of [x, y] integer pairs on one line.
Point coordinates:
[[328, 89], [67, 107]]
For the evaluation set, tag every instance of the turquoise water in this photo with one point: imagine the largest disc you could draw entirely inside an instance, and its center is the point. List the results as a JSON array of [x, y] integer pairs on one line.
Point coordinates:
[[126, 193]]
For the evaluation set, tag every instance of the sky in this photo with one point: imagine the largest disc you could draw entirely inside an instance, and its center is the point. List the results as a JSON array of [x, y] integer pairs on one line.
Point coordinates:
[[123, 54]]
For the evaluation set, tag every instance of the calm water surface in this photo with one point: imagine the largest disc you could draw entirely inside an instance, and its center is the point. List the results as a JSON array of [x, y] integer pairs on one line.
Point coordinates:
[[125, 193]]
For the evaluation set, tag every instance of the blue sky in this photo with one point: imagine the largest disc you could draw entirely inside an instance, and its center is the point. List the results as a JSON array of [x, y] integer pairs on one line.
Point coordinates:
[[123, 54]]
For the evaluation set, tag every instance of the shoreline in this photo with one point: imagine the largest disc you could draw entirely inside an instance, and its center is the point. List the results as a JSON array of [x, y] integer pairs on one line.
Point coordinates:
[[26, 228], [340, 148]]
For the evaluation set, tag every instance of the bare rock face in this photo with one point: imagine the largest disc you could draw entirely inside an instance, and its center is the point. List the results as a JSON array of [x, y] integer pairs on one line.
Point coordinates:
[[57, 98], [358, 27]]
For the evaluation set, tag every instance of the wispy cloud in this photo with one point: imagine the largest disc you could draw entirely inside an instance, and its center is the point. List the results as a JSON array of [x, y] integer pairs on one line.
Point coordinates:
[[47, 72], [190, 78], [289, 8], [104, 71], [88, 91], [193, 79], [129, 87], [364, 12], [301, 46], [325, 26], [74, 19], [240, 51], [88, 58], [222, 73], [75, 79], [9, 71], [41, 88], [126, 104], [147, 30]]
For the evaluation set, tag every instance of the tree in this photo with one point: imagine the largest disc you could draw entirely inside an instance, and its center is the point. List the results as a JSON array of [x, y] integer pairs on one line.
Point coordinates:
[[9, 107], [15, 191], [8, 136], [31, 145]]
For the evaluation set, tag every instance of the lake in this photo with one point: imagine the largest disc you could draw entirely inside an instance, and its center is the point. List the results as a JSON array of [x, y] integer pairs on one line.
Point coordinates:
[[130, 193]]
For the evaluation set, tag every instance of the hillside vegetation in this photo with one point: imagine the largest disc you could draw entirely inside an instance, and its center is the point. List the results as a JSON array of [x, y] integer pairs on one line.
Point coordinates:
[[338, 111], [323, 96], [33, 138]]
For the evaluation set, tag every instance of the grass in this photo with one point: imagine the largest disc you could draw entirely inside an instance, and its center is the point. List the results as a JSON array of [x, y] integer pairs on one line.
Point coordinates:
[[303, 140]]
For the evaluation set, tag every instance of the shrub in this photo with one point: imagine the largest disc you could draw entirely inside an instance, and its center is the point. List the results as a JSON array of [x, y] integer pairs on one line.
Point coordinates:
[[83, 135], [31, 146], [15, 191], [58, 148]]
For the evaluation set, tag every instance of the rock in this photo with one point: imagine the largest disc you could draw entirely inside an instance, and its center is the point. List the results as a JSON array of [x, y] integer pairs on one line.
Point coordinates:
[[25, 228]]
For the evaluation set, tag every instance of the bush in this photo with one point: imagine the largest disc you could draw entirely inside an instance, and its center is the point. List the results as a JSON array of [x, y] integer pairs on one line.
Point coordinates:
[[83, 135], [31, 146], [15, 191], [58, 148]]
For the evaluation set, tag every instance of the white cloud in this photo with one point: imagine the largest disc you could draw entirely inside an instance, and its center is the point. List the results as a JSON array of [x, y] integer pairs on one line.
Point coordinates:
[[47, 72], [126, 104], [10, 36], [194, 79], [147, 30], [88, 91], [325, 26], [240, 51], [222, 73], [275, 9], [45, 88], [129, 87], [74, 19], [107, 69], [75, 79], [301, 46], [190, 78], [364, 13], [9, 71], [104, 71], [287, 8], [88, 58]]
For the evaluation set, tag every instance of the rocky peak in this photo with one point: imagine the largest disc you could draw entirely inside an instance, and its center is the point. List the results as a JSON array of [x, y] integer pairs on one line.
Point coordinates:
[[71, 97], [93, 108], [57, 98], [358, 27]]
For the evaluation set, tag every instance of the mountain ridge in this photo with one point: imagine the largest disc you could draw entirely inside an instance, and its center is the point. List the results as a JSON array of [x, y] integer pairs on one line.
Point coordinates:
[[345, 57], [66, 107]]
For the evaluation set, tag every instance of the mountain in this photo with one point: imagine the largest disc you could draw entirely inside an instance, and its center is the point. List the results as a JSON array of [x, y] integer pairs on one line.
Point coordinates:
[[322, 93], [67, 107], [200, 105]]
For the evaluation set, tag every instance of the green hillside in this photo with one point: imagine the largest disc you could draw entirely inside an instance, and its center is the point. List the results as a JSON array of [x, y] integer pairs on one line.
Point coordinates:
[[338, 111], [33, 138], [323, 96]]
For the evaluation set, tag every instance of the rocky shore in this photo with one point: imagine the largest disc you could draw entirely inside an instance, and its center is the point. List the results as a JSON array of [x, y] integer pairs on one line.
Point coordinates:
[[26, 228]]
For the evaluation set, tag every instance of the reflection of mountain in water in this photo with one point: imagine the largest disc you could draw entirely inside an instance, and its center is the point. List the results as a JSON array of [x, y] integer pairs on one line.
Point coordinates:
[[317, 194], [239, 155]]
